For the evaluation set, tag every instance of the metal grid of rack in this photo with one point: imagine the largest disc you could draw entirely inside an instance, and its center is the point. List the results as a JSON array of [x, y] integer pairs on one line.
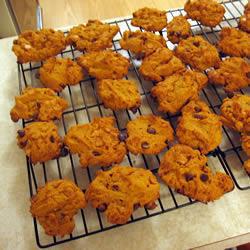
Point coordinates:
[[85, 105]]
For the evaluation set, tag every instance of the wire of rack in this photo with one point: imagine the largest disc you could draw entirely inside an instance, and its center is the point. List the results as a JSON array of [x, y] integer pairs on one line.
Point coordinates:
[[85, 104]]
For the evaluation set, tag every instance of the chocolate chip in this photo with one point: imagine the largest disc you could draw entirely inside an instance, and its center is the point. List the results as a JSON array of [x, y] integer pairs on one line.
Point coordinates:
[[222, 54], [171, 33], [52, 139], [101, 208], [64, 152], [123, 136], [151, 131], [230, 95], [115, 187], [38, 105], [197, 109], [23, 144], [196, 43], [21, 133], [248, 75], [178, 33], [134, 110], [204, 177], [151, 206], [185, 36], [136, 206], [145, 145], [189, 177], [197, 116], [96, 153]]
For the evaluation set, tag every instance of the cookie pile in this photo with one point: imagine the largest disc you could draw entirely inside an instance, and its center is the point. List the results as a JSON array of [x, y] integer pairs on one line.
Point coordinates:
[[120, 190]]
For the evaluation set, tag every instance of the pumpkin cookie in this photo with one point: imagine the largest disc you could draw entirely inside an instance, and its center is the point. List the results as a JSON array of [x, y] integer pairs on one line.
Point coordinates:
[[235, 112], [244, 23], [94, 36], [207, 12], [160, 64], [38, 103], [104, 64], [40, 141], [234, 42], [33, 46], [141, 43], [177, 90], [119, 94], [184, 169], [150, 19], [178, 29], [233, 74], [119, 191], [246, 165], [199, 128], [55, 205], [56, 73], [97, 143], [198, 53], [148, 134]]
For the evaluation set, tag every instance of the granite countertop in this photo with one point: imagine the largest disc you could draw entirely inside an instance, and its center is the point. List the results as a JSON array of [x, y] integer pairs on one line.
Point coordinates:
[[185, 228]]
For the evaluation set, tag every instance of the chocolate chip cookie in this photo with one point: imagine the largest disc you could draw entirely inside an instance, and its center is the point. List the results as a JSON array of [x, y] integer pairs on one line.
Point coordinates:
[[233, 74], [104, 64], [184, 169], [198, 53], [57, 73], [178, 29], [94, 36], [149, 19], [141, 43], [199, 128], [160, 64], [244, 23], [207, 12], [119, 94], [245, 143], [33, 46], [55, 205], [177, 90], [97, 143], [246, 165], [148, 134], [120, 190], [40, 141], [38, 103]]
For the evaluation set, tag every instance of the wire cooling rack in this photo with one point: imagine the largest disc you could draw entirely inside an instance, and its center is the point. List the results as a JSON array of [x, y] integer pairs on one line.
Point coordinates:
[[85, 105]]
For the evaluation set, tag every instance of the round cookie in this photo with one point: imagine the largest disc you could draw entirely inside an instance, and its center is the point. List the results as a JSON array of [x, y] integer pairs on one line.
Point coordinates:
[[245, 143], [97, 143], [33, 46], [56, 73], [150, 19], [160, 64], [38, 103], [104, 64], [234, 42], [244, 23], [120, 190], [141, 43], [94, 36], [246, 165], [235, 112], [233, 73], [184, 169], [198, 53], [40, 141], [207, 12], [198, 128], [148, 134], [55, 205], [177, 90], [178, 29], [119, 94]]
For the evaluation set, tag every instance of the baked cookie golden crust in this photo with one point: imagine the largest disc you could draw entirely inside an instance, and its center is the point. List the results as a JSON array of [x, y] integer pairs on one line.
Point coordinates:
[[198, 128], [119, 191], [246, 165], [55, 205], [184, 169], [33, 46], [150, 19], [40, 141], [119, 94], [177, 90], [244, 23], [141, 43], [148, 134], [94, 36], [57, 73], [160, 64], [104, 64], [178, 29], [233, 74], [234, 42], [97, 143], [198, 53], [207, 12], [235, 112], [245, 143], [38, 103]]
